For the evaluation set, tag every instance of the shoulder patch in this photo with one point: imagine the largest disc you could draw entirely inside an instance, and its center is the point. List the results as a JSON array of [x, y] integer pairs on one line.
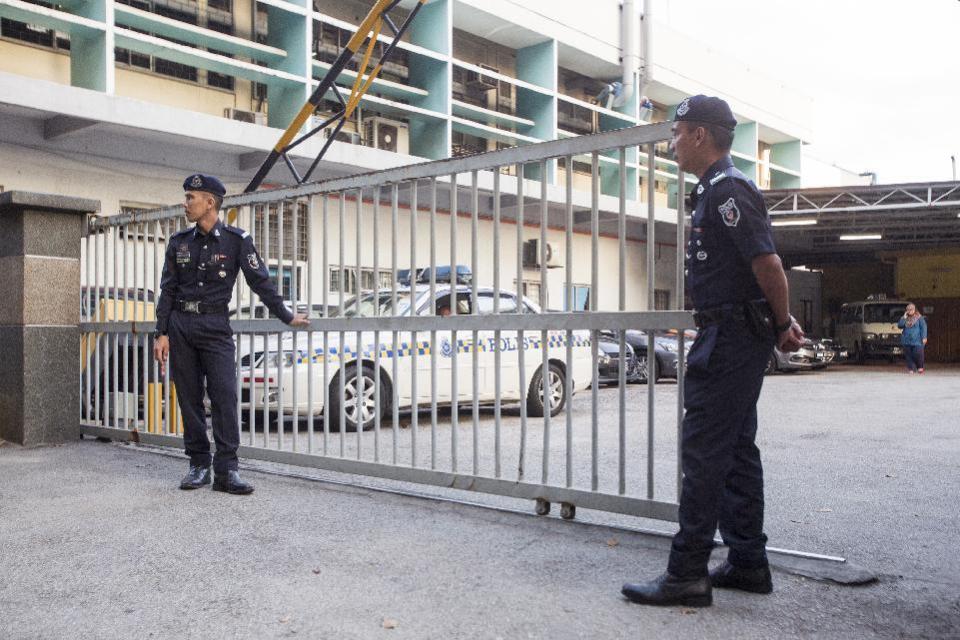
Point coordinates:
[[238, 231], [729, 212]]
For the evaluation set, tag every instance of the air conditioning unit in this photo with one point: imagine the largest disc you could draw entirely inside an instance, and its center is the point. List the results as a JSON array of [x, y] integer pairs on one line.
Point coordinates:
[[531, 255], [252, 117], [479, 81], [389, 135]]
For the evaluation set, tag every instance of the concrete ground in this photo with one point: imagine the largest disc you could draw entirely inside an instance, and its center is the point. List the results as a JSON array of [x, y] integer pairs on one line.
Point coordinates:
[[861, 462]]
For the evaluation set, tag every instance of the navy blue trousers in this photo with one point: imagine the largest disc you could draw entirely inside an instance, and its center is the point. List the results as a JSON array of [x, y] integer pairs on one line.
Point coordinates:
[[202, 351], [914, 355], [722, 473]]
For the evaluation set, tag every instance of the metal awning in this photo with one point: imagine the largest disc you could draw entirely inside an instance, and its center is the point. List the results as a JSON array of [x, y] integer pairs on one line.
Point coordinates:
[[840, 224]]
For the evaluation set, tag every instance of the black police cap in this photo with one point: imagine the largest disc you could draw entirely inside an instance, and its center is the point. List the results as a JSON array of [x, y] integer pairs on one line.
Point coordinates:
[[200, 182], [707, 109]]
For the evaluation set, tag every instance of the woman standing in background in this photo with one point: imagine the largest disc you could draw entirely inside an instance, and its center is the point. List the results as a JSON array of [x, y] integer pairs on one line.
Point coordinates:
[[914, 337]]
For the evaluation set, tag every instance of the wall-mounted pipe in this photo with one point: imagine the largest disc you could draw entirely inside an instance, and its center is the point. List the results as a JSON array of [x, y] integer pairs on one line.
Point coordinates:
[[630, 57]]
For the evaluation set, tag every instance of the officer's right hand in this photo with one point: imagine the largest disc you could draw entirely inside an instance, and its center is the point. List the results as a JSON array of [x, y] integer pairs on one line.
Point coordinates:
[[161, 349], [300, 320], [791, 339]]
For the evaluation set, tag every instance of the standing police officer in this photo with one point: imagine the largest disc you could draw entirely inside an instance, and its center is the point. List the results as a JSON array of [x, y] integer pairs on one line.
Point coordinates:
[[739, 292], [199, 272]]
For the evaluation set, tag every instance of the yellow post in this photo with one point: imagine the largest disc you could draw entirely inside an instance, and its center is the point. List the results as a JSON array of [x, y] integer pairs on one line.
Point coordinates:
[[176, 420], [155, 407]]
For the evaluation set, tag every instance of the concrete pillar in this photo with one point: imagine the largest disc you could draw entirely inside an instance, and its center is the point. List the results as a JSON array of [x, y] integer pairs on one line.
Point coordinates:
[[39, 312]]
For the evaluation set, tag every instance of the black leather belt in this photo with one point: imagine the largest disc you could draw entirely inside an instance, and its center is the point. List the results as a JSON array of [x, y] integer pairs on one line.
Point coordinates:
[[195, 306], [742, 311]]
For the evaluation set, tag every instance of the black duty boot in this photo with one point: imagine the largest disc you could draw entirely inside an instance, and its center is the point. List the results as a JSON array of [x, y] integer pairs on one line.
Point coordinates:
[[669, 590], [230, 482], [727, 576], [198, 476]]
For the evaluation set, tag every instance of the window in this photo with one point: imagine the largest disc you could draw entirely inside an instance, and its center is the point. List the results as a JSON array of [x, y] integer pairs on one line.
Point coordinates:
[[581, 298], [35, 34], [286, 282], [531, 290], [267, 233], [346, 281], [661, 299]]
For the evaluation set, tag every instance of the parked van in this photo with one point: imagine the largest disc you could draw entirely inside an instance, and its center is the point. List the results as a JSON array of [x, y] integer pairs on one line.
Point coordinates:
[[868, 329]]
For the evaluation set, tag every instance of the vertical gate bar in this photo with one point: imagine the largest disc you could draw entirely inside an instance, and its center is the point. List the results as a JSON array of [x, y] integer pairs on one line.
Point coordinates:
[[359, 386], [415, 336], [546, 384], [113, 402], [394, 242], [295, 334], [433, 333], [568, 306], [281, 214], [474, 352], [342, 372], [136, 319], [496, 334], [158, 260], [101, 293], [651, 295], [311, 416], [680, 304], [87, 338], [168, 409], [325, 296], [238, 341], [455, 345], [376, 334], [594, 294], [266, 209], [251, 339], [144, 338], [125, 253], [622, 306], [521, 344]]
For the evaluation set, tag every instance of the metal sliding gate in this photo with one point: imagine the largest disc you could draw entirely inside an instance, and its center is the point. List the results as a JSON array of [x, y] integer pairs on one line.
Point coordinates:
[[453, 366]]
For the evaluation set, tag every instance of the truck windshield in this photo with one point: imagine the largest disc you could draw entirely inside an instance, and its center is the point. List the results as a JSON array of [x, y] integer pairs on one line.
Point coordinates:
[[883, 312]]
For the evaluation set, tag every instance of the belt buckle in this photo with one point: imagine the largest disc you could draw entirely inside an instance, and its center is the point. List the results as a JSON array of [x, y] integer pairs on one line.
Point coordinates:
[[191, 306]]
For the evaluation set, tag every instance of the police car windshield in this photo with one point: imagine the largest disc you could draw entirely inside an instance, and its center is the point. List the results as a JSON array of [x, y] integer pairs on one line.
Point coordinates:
[[883, 312], [371, 304]]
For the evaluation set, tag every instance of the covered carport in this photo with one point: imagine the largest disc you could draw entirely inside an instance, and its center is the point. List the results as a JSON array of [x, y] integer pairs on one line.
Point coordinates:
[[902, 240]]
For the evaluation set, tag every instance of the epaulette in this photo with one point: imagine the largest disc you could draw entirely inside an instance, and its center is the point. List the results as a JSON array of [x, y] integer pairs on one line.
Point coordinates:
[[730, 172], [182, 232], [240, 232]]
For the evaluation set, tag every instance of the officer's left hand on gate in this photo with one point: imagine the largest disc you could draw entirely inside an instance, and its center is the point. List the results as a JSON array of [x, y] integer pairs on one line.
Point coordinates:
[[300, 320], [791, 339]]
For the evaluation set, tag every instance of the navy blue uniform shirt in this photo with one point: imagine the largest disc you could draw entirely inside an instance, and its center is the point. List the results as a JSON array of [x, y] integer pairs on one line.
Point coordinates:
[[730, 228], [204, 268]]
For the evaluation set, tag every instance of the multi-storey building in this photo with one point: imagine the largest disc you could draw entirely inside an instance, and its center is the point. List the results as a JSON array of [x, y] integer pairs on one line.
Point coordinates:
[[118, 100]]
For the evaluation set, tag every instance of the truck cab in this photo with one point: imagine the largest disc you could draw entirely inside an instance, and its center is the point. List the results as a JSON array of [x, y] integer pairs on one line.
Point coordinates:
[[868, 328]]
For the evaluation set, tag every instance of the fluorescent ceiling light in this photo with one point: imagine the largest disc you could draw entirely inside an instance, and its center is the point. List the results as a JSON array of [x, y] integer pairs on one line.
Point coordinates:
[[862, 236], [796, 222]]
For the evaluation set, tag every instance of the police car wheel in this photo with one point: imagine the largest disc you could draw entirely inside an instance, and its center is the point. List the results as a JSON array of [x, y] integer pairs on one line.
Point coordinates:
[[556, 388], [352, 384]]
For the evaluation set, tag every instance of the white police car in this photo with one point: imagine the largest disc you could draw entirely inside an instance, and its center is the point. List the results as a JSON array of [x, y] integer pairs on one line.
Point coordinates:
[[291, 366]]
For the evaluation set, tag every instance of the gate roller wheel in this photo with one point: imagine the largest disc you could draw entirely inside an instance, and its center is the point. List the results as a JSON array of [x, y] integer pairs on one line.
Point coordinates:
[[568, 511], [543, 507]]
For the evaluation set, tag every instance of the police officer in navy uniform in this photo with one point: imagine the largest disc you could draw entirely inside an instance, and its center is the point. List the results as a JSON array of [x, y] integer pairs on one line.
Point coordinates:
[[739, 293], [199, 271]]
